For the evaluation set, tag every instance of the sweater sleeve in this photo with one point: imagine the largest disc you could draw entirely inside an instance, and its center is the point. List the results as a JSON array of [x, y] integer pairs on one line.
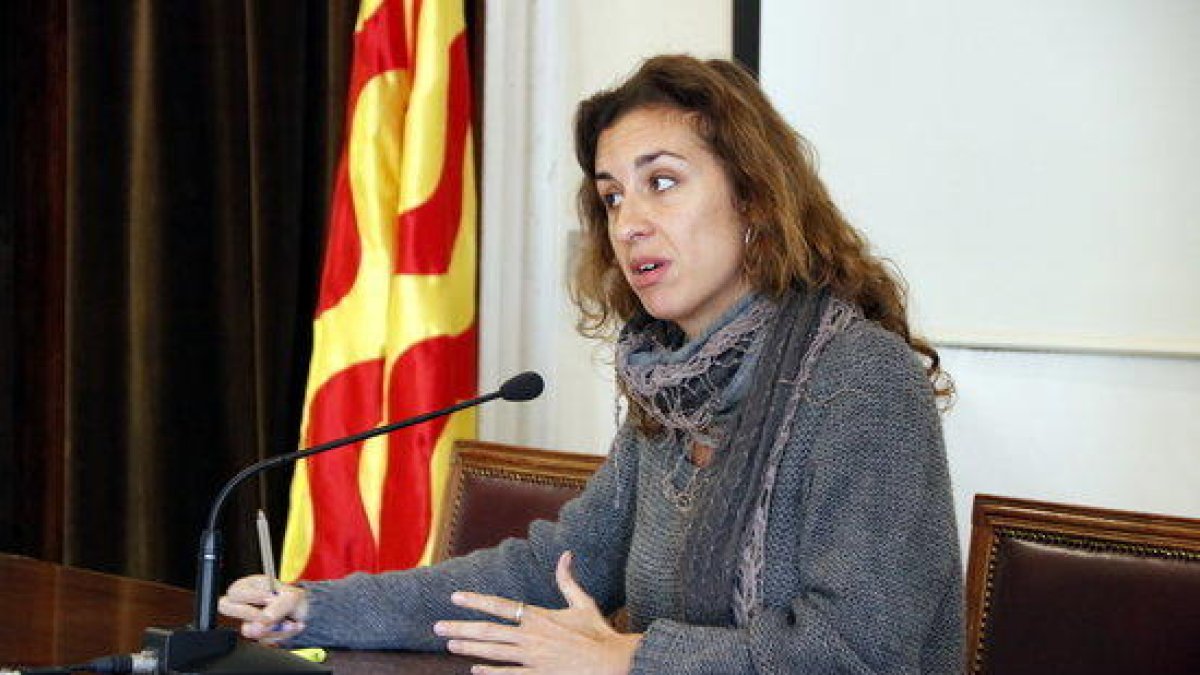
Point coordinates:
[[875, 550], [396, 610]]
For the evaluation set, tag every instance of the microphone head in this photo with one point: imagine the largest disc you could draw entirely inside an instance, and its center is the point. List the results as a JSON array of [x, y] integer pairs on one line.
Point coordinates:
[[524, 387]]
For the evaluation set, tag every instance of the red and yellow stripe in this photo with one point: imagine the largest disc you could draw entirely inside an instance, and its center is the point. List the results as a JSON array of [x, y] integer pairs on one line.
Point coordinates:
[[395, 330]]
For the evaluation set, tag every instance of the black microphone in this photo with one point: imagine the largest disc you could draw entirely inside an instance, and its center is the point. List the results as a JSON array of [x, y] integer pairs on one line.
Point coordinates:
[[202, 647], [524, 387]]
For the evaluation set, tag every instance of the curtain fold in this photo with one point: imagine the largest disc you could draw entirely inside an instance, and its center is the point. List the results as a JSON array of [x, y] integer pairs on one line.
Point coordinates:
[[200, 141]]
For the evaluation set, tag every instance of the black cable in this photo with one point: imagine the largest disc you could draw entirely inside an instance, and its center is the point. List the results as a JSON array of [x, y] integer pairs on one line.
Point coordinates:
[[121, 664], [118, 664]]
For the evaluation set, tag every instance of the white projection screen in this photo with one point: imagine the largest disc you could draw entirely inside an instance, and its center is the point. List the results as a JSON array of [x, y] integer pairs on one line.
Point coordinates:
[[1032, 166]]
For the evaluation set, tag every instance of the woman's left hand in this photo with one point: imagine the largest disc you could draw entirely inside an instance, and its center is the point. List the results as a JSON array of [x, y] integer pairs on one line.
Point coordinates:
[[577, 639]]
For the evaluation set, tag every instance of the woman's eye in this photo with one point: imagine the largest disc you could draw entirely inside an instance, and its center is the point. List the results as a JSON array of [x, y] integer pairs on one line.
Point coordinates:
[[612, 199], [660, 183]]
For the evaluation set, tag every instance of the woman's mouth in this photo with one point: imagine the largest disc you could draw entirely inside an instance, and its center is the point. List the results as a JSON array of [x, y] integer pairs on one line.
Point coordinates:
[[647, 271]]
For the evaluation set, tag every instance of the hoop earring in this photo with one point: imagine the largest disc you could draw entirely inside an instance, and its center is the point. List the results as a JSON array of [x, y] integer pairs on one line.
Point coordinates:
[[748, 267]]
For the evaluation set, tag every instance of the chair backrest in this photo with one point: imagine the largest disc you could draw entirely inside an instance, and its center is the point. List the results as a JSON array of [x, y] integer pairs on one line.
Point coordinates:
[[495, 491], [1064, 589]]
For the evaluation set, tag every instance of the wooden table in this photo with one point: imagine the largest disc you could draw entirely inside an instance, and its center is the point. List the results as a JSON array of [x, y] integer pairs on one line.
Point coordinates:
[[56, 615]]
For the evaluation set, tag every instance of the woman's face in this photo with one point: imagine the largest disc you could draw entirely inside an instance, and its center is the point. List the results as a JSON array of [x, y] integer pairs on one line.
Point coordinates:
[[673, 221]]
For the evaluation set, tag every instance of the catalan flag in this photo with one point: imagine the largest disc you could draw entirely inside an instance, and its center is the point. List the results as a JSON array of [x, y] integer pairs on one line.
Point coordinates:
[[395, 327]]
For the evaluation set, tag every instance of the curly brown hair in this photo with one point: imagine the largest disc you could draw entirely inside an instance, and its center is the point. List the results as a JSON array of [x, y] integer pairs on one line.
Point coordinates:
[[799, 235]]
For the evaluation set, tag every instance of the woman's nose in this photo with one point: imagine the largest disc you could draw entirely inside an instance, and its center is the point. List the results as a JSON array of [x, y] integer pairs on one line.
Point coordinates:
[[633, 222]]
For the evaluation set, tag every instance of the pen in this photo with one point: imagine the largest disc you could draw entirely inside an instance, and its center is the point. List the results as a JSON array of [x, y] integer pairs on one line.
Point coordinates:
[[264, 550]]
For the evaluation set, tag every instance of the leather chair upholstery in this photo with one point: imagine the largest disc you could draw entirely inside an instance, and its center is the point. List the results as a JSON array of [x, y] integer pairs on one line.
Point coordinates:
[[1066, 589], [496, 490]]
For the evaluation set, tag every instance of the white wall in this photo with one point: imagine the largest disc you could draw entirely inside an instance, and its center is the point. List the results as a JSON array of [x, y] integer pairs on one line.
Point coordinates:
[[1110, 431], [1039, 153], [542, 59]]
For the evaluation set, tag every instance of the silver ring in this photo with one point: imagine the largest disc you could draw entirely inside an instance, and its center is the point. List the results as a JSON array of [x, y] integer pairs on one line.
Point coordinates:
[[519, 613]]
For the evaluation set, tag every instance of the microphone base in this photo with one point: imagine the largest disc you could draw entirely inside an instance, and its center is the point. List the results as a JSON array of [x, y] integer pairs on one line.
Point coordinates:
[[187, 651]]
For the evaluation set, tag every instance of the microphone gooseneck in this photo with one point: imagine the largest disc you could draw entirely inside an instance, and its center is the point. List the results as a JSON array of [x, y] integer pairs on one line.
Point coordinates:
[[523, 387]]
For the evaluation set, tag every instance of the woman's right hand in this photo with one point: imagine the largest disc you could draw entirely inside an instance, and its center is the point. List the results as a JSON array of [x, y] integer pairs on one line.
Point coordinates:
[[265, 614]]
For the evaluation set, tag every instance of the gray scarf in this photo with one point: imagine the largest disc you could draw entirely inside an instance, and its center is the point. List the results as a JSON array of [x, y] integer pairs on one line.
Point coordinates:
[[723, 585], [692, 388]]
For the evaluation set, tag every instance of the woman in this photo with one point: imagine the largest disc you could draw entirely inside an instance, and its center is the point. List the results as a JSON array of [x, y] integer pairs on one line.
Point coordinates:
[[777, 499]]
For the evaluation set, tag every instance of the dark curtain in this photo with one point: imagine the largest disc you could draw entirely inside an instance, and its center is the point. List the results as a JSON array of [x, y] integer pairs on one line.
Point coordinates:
[[165, 197]]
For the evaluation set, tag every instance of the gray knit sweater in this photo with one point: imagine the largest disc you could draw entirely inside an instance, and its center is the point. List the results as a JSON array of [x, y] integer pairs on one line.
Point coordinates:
[[862, 564]]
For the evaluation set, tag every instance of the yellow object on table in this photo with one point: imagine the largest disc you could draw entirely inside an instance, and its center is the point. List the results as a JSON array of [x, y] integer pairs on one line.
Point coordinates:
[[314, 654]]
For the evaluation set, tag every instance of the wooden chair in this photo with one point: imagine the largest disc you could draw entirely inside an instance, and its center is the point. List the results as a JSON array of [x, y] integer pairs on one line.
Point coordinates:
[[1068, 589], [496, 490]]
